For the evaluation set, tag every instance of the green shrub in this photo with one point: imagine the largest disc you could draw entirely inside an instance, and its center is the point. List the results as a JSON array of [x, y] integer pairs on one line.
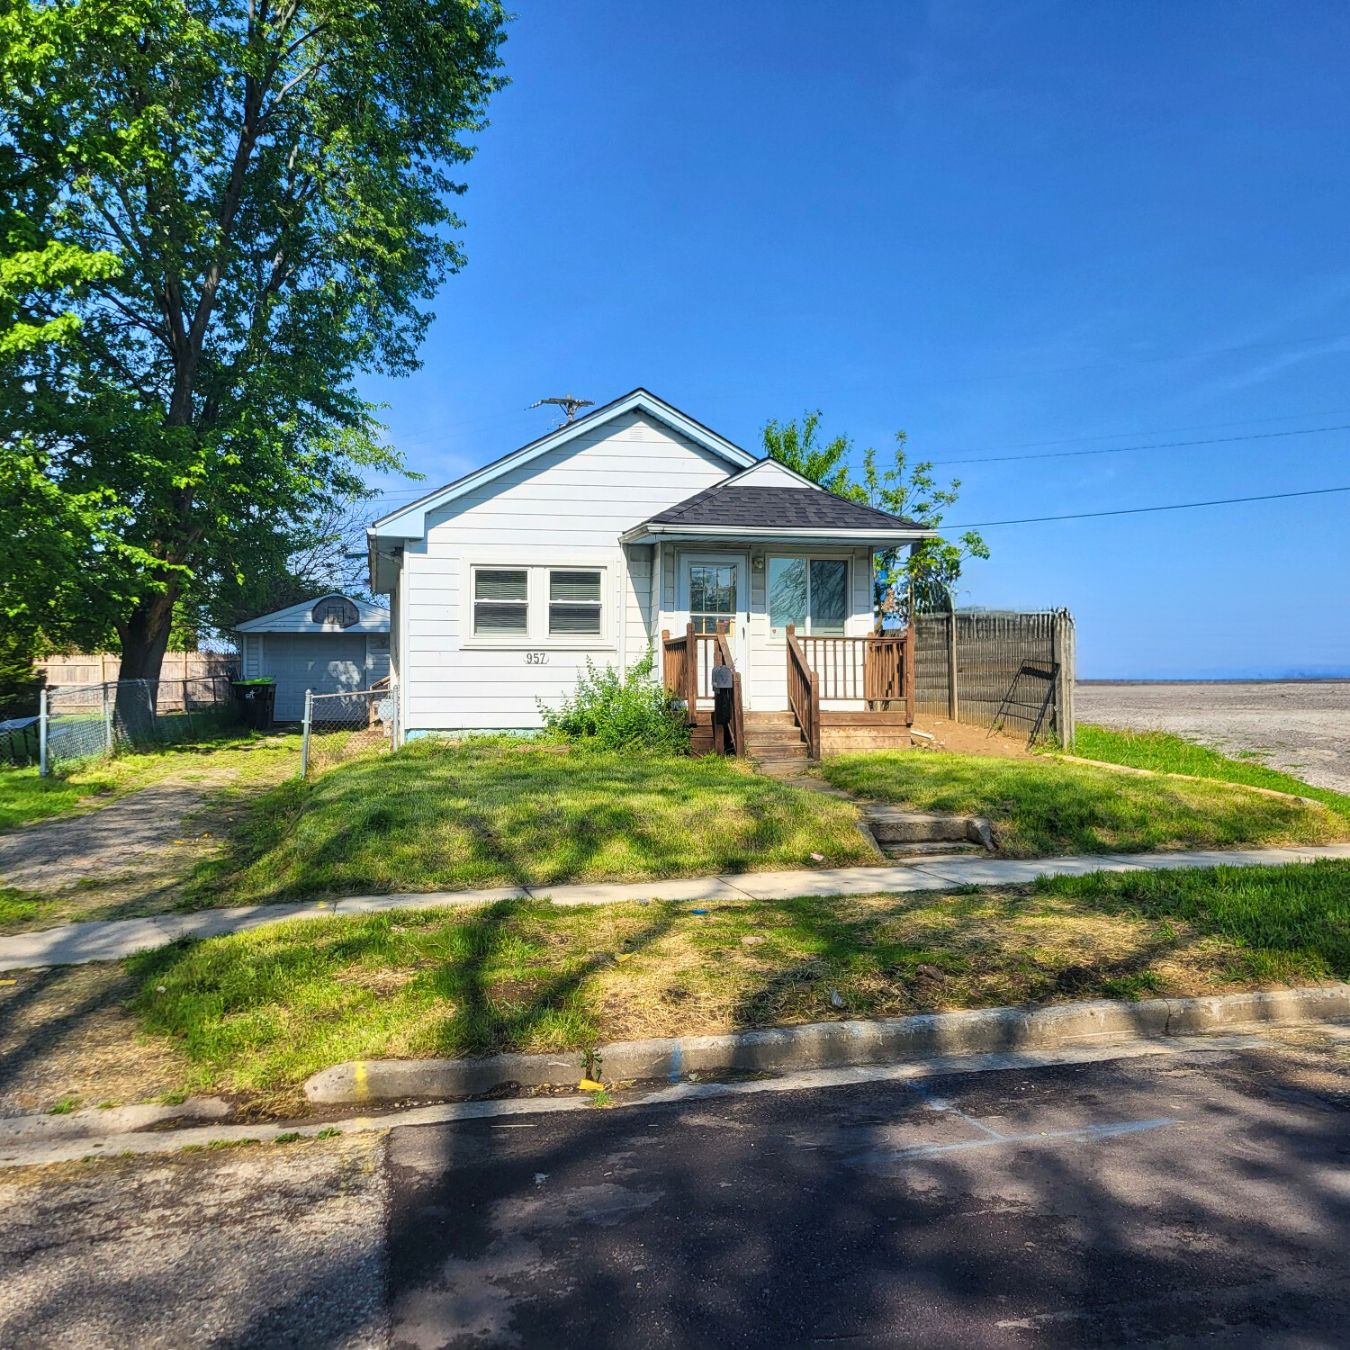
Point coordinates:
[[620, 712]]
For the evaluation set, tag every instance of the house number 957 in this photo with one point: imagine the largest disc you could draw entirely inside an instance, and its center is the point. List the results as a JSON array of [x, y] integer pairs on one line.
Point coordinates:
[[536, 658]]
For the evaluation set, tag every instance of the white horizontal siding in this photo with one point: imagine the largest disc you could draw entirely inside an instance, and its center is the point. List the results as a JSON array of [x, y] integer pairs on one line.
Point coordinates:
[[377, 659], [638, 618], [584, 494], [567, 508]]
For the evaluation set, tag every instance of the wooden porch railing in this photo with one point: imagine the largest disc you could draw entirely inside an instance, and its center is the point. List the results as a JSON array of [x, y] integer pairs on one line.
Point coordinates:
[[679, 667], [873, 669], [687, 664], [803, 693]]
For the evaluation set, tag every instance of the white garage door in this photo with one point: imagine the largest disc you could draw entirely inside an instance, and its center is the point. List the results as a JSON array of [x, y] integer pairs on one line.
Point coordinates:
[[327, 663]]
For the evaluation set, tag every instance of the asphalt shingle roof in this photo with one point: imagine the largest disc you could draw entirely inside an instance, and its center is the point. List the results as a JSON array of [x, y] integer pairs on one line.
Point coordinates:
[[789, 508]]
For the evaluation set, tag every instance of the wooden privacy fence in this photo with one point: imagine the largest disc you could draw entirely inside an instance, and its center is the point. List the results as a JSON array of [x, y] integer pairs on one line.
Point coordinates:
[[1014, 670], [178, 670]]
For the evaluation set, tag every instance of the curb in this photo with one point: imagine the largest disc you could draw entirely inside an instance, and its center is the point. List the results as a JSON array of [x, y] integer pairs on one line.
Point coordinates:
[[825, 1045], [97, 1121]]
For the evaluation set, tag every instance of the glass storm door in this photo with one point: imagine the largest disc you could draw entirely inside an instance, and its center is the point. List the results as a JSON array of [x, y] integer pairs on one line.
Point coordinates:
[[717, 590], [713, 595]]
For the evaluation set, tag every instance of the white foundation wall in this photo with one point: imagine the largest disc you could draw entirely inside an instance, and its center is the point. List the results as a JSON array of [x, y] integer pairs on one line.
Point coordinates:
[[564, 510]]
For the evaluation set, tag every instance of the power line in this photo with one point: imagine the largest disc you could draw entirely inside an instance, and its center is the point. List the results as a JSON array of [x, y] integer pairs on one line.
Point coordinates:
[[1060, 454], [1157, 445], [1140, 510], [1172, 431]]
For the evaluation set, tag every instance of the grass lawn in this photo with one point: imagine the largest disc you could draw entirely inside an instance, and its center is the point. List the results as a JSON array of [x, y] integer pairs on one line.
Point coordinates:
[[506, 812], [258, 1012], [85, 786], [1043, 806], [1165, 753]]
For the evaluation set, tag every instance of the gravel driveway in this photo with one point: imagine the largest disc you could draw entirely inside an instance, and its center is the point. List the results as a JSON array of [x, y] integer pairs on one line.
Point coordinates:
[[1300, 726]]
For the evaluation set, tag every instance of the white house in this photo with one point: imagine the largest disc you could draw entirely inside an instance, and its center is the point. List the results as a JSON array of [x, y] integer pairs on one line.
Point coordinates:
[[630, 522], [331, 644]]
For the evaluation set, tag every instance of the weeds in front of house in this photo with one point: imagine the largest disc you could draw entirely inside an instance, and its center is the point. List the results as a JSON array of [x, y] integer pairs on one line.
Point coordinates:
[[1045, 806], [511, 812], [258, 1012], [620, 711], [1165, 753]]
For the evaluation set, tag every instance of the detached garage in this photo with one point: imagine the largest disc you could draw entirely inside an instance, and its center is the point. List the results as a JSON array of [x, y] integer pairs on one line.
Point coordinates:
[[331, 645]]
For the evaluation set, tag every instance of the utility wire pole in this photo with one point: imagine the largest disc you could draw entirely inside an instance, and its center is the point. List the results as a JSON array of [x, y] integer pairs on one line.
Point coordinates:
[[569, 405]]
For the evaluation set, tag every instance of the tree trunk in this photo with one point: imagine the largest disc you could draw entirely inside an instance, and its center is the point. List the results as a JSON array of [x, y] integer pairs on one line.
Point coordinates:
[[145, 638]]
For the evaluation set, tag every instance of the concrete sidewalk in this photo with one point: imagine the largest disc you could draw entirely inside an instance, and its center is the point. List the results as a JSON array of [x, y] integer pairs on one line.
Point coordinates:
[[77, 943]]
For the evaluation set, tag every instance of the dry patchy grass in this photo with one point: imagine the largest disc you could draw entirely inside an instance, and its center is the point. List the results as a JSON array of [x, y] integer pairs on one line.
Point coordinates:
[[258, 1012]]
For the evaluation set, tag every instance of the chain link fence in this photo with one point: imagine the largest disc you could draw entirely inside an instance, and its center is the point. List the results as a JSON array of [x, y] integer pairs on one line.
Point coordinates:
[[342, 727], [94, 721]]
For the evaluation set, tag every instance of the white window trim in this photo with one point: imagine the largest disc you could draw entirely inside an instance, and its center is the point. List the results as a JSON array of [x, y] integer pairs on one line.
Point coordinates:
[[808, 558], [537, 637], [597, 605], [473, 602]]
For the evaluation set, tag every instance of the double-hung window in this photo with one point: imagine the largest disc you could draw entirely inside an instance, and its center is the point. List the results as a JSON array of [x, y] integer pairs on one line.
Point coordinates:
[[809, 593], [501, 602], [536, 604], [573, 604]]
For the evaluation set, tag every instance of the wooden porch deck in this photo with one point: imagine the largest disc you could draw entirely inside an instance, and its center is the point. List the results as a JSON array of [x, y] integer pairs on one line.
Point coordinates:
[[877, 671]]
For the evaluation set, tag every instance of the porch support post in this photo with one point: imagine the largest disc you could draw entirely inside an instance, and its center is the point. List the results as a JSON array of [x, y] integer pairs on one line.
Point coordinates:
[[690, 671]]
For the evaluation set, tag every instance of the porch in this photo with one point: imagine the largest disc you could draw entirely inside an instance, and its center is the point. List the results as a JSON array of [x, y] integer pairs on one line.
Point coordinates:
[[843, 693]]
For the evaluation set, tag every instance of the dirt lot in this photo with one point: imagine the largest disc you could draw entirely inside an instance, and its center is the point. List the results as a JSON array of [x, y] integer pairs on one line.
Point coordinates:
[[279, 1245], [1301, 727]]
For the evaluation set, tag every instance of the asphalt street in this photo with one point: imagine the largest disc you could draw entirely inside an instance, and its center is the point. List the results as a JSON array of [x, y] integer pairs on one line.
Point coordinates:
[[1195, 1201], [1187, 1196]]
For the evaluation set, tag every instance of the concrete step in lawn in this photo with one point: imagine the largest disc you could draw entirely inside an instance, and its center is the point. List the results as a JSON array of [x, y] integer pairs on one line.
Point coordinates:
[[907, 834]]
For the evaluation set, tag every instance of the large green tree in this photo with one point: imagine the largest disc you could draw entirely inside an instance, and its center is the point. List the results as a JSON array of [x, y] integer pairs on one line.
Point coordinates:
[[918, 578], [253, 203]]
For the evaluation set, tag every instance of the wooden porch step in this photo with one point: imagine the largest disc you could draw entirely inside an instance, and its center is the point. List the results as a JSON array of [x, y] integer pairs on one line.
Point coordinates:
[[774, 735], [795, 754], [754, 720]]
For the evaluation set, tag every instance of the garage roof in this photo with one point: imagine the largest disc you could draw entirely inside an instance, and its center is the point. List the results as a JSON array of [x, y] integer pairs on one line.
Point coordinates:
[[327, 613]]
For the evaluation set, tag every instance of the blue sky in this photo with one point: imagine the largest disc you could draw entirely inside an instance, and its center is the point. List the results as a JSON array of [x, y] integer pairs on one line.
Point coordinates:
[[1008, 228]]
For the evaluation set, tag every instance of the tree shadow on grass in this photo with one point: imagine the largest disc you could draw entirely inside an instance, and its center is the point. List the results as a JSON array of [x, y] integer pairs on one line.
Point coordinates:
[[470, 963], [455, 819]]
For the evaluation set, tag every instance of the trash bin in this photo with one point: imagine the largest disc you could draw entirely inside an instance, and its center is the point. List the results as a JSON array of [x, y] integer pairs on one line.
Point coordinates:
[[256, 699]]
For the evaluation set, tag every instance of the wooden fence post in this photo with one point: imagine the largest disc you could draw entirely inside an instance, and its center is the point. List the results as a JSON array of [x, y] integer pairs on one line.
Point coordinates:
[[911, 639], [953, 707], [1064, 657]]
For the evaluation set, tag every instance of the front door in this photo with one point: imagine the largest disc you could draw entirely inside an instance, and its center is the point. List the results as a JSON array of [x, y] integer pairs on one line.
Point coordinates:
[[716, 590]]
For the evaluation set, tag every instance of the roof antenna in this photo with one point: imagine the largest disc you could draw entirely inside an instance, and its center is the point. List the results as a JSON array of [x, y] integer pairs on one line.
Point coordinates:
[[569, 405]]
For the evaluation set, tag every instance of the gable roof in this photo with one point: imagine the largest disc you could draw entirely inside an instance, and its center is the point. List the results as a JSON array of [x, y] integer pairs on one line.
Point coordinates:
[[296, 618], [409, 522], [755, 504]]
